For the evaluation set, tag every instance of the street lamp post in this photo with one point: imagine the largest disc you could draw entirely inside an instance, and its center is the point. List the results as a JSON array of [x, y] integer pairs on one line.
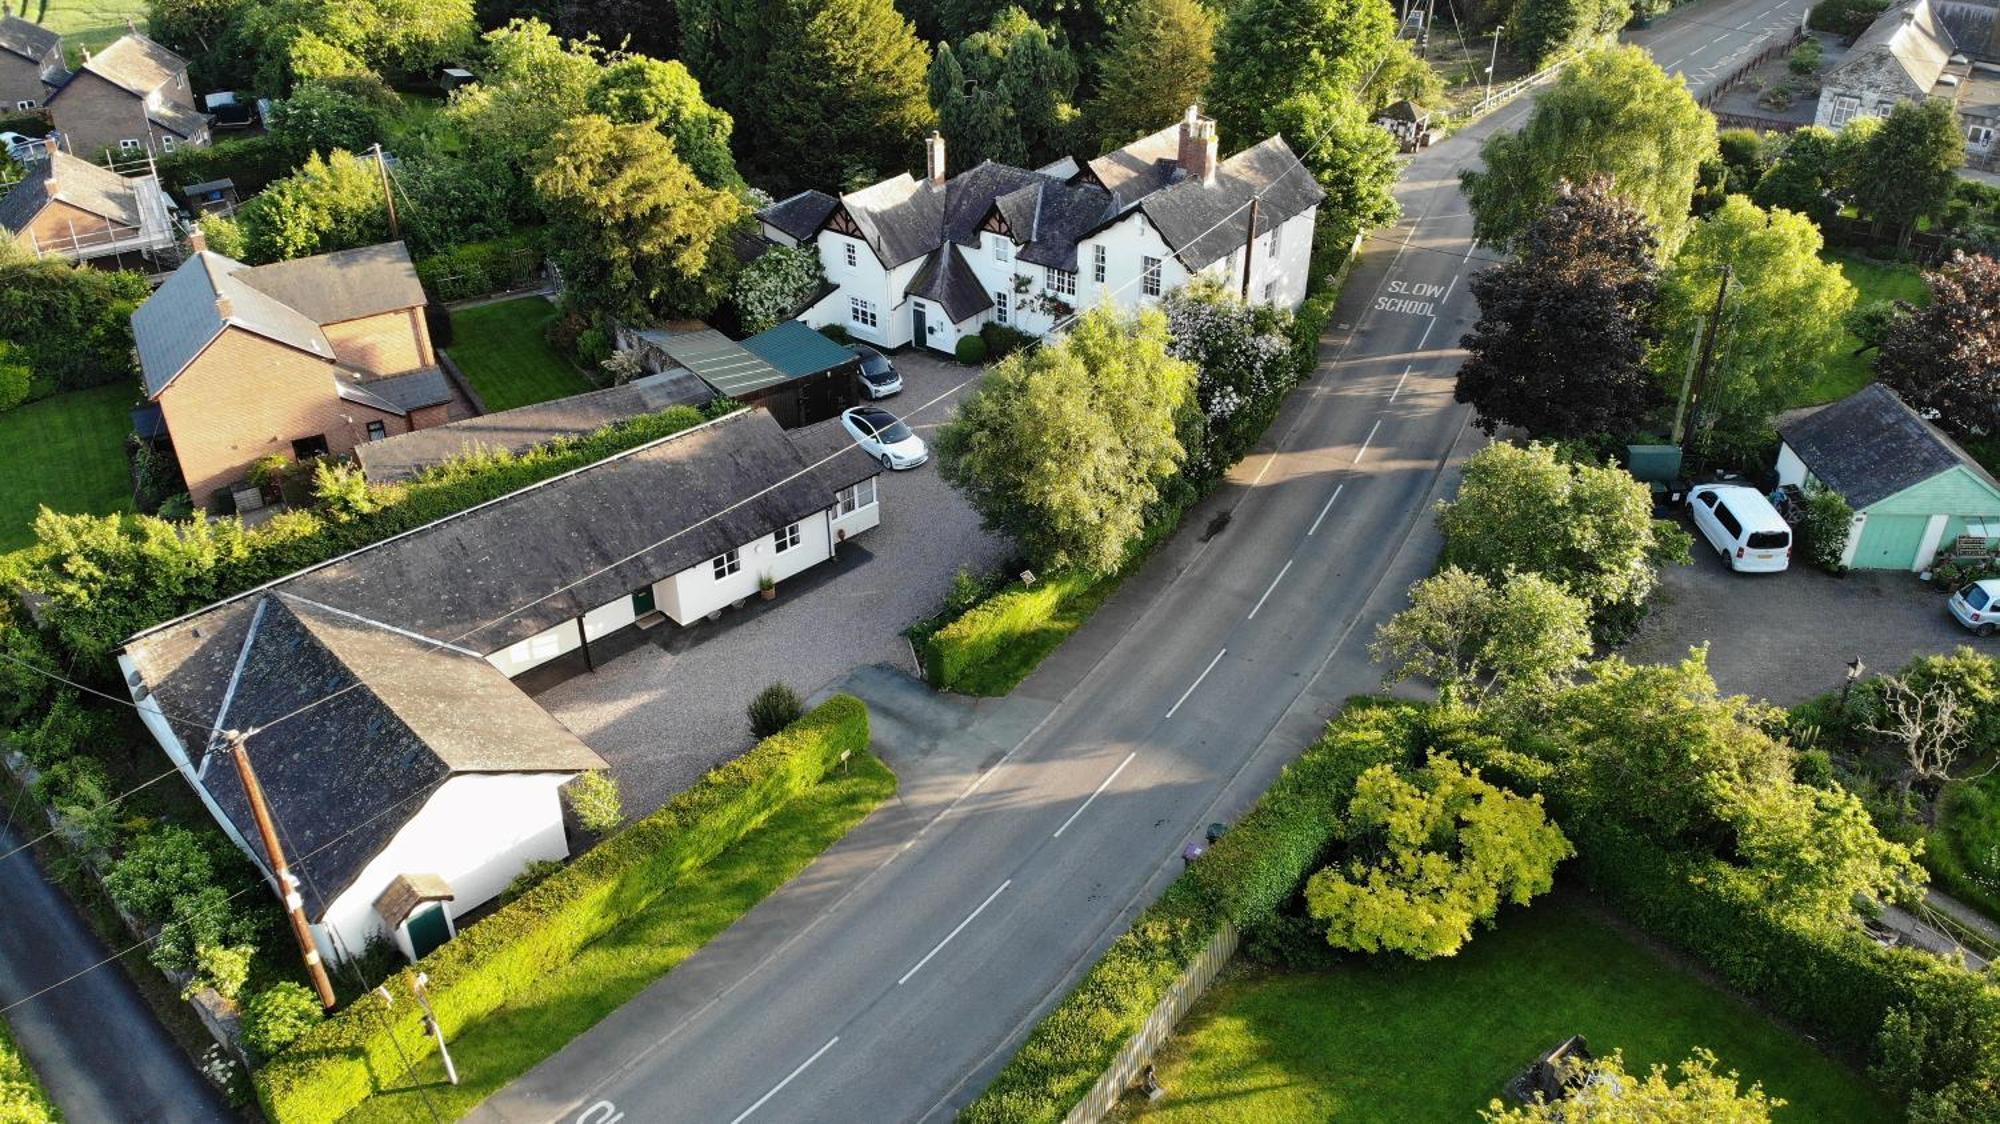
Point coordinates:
[[1492, 62]]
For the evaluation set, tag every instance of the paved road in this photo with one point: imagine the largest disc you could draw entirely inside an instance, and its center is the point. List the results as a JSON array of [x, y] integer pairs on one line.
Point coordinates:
[[99, 1050], [907, 985]]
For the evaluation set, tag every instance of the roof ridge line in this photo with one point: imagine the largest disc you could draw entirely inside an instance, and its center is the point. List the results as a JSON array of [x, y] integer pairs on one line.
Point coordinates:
[[384, 625]]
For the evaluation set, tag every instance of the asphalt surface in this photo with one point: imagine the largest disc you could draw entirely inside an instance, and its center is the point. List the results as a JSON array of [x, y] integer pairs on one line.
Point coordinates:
[[900, 992], [99, 1051]]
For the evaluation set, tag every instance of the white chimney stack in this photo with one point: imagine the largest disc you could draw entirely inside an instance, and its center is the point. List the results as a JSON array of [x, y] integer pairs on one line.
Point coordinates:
[[1198, 146], [934, 157]]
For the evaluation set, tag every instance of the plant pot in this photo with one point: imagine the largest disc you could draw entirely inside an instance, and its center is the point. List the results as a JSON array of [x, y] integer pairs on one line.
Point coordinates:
[[768, 593]]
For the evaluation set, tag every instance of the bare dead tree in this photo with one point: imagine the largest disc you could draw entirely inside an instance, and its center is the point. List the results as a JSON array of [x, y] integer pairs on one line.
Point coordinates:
[[1932, 728]]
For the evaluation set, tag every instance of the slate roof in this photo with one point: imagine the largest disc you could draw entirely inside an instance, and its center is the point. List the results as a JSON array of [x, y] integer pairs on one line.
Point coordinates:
[[26, 38], [947, 279], [901, 218], [346, 284], [1974, 26], [177, 119], [136, 63], [1870, 446], [396, 394], [1140, 168], [406, 455], [1904, 50], [800, 215], [285, 302], [797, 350], [78, 183], [1203, 222], [345, 775]]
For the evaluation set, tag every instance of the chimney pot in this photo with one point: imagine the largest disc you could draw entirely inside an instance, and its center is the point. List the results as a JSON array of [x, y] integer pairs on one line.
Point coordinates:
[[934, 157], [1198, 146], [197, 241]]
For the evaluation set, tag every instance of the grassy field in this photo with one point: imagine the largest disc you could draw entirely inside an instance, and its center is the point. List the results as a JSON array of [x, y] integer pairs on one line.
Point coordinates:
[[611, 971], [1392, 1039], [67, 452], [503, 353], [1846, 372], [84, 23]]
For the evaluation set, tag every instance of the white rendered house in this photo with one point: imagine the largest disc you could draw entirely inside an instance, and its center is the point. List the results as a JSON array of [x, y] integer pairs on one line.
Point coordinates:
[[930, 261], [410, 776]]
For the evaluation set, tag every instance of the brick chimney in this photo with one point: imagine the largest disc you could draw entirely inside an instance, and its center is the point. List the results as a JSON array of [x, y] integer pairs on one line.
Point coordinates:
[[197, 241], [934, 157], [224, 307], [1197, 155]]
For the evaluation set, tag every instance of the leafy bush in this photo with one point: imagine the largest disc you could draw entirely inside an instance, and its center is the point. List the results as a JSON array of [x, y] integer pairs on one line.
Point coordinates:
[[1806, 57], [159, 868], [70, 325], [67, 728], [225, 968], [250, 162], [776, 286], [1245, 363], [1002, 340], [1848, 18], [474, 269], [595, 799], [1828, 521], [336, 1065], [838, 333], [15, 377], [775, 707], [971, 351], [276, 1017], [1244, 879], [349, 113], [22, 1099]]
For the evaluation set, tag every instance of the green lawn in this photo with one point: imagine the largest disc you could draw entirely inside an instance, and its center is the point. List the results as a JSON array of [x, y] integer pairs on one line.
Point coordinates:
[[611, 971], [502, 351], [84, 23], [1846, 372], [67, 452], [1391, 1039]]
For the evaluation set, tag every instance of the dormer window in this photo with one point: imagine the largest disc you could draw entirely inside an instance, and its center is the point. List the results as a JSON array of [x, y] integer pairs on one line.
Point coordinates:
[[1003, 247]]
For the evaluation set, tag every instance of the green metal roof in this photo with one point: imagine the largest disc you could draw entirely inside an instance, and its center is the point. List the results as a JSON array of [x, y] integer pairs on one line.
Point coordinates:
[[718, 360], [797, 350]]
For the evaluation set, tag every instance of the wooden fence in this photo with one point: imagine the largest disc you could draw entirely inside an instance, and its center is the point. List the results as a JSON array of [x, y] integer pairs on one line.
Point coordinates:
[[1140, 1048]]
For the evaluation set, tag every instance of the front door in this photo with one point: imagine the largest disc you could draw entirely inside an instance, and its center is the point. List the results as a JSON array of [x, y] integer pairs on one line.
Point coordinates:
[[642, 602], [429, 928], [919, 331]]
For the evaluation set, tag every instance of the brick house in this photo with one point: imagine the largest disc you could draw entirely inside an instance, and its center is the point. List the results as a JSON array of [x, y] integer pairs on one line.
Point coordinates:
[[131, 97], [1918, 50], [302, 358], [73, 208], [31, 64]]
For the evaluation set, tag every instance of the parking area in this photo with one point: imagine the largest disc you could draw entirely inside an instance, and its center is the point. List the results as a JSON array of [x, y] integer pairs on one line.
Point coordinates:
[[670, 709], [1787, 637]]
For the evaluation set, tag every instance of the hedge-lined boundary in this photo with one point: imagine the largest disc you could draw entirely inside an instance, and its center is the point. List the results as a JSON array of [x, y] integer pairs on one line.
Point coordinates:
[[1244, 878], [22, 1098], [341, 1062], [997, 643]]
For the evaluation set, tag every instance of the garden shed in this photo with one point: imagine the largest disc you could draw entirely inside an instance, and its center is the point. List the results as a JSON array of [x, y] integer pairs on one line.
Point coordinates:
[[799, 380], [1914, 490]]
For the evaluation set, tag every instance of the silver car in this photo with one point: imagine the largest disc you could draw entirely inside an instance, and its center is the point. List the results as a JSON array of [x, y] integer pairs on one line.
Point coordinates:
[[1977, 606]]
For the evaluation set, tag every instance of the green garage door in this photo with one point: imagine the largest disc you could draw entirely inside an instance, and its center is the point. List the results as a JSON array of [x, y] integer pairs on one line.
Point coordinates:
[[1890, 542]]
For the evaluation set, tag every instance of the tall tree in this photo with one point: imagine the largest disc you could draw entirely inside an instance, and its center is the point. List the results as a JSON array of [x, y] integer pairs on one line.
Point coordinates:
[[1470, 636], [1064, 446], [1560, 346], [1804, 175], [636, 90], [1944, 358], [296, 39], [636, 234], [844, 96], [533, 81], [1154, 65], [1432, 852], [1609, 1095], [1613, 113], [332, 202], [1782, 317], [728, 44], [1907, 168], [1005, 94], [975, 118], [1297, 67], [1542, 29]]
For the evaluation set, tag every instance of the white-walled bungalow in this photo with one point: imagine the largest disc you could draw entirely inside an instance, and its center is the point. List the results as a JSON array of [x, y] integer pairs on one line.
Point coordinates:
[[412, 780], [930, 261]]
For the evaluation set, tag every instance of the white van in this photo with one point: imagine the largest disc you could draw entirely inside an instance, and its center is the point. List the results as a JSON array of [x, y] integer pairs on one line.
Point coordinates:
[[1743, 527]]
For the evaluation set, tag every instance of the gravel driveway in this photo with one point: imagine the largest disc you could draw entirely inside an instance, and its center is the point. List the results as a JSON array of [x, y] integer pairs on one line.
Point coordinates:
[[663, 715], [1787, 637]]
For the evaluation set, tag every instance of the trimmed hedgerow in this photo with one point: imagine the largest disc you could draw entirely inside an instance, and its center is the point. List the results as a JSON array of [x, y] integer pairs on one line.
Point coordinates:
[[338, 1064], [1244, 878]]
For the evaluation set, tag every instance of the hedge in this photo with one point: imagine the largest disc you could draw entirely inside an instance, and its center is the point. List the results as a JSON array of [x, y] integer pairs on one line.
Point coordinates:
[[342, 1061], [474, 269], [1245, 878]]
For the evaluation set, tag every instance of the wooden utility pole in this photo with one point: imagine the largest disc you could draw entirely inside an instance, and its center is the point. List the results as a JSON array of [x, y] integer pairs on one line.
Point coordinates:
[[295, 906], [388, 194], [1249, 245], [1705, 363]]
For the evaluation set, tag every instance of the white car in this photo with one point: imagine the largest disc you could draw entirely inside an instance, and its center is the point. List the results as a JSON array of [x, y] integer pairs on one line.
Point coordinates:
[[1743, 527], [24, 149], [883, 435], [1977, 606]]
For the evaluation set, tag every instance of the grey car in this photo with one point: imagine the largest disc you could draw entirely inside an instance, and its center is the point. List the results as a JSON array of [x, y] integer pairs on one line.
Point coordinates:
[[879, 377]]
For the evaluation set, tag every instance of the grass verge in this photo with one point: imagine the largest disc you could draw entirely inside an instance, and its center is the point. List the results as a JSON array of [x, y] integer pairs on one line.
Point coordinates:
[[67, 452], [1395, 1039], [508, 360], [1845, 372], [611, 970], [22, 1098], [91, 24]]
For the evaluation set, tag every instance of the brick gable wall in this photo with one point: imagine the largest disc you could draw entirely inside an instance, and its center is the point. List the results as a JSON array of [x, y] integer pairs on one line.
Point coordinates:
[[20, 80], [388, 344], [51, 228]]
